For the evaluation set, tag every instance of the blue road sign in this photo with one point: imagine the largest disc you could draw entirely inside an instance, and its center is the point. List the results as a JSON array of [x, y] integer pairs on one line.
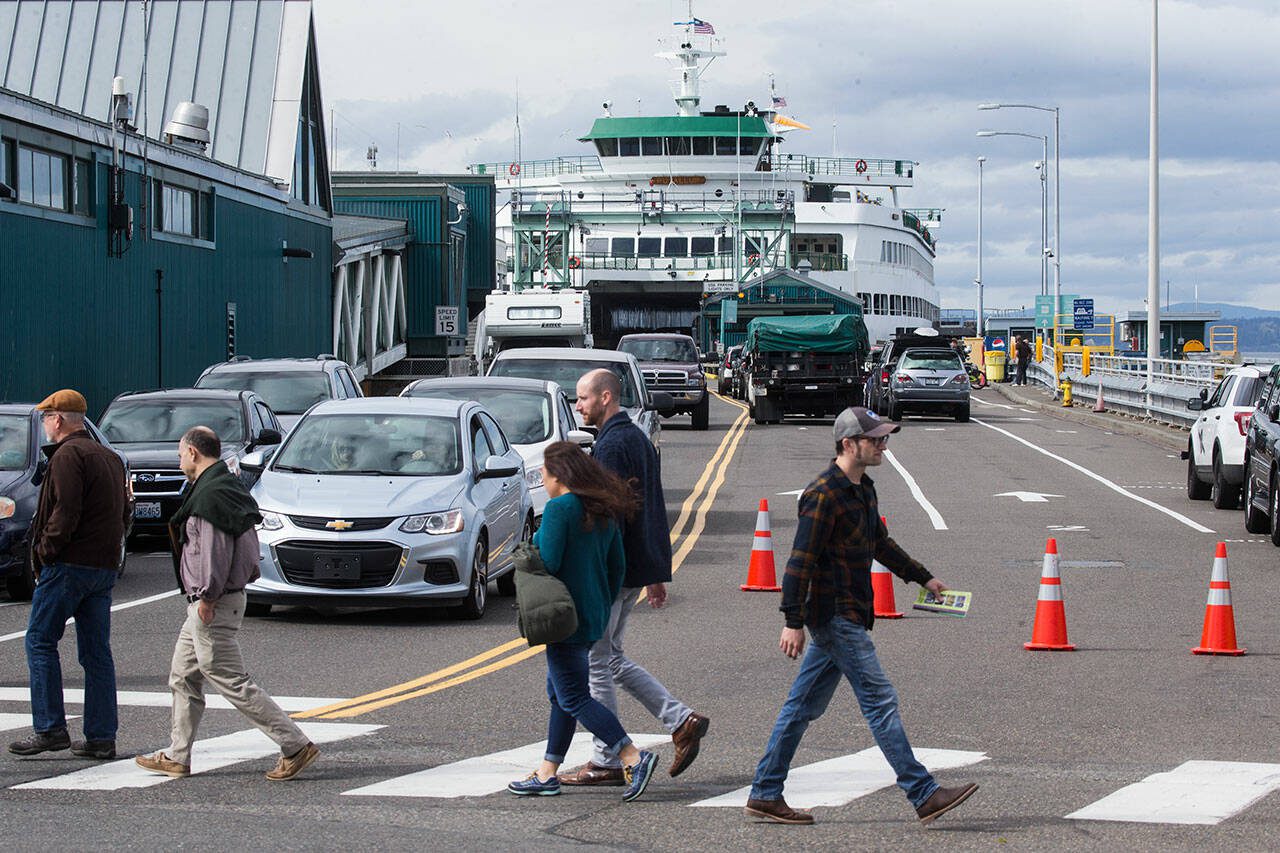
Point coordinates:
[[1082, 309]]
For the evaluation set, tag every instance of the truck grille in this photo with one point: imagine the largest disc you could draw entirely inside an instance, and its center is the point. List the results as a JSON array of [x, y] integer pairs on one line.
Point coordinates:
[[159, 483], [665, 377], [365, 564]]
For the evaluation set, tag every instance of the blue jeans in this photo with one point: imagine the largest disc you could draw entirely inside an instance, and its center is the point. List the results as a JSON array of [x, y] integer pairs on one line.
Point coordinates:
[[64, 592], [841, 647], [569, 690]]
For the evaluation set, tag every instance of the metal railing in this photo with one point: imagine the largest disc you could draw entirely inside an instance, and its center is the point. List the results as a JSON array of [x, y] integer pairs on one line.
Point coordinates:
[[539, 168], [651, 202], [855, 167], [593, 261]]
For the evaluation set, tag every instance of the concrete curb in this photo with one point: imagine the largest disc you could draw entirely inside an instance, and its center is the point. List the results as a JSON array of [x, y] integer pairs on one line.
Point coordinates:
[[1159, 434]]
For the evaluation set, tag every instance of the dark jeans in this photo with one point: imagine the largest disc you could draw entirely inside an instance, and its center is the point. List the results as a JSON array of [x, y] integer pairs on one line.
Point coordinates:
[[569, 689], [65, 592], [841, 648], [1021, 377]]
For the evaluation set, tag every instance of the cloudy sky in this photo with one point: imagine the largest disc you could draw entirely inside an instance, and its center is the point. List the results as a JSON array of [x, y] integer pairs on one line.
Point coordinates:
[[894, 80]]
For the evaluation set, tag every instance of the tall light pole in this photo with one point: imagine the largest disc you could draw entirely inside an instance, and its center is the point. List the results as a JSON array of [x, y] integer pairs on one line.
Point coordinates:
[[978, 281], [1153, 203], [1044, 202], [1057, 187]]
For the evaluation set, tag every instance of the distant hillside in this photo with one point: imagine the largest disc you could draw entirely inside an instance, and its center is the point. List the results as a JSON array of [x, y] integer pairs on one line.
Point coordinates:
[[1226, 309], [1258, 334]]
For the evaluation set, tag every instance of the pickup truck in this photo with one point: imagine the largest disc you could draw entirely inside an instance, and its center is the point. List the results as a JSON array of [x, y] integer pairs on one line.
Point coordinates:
[[803, 365]]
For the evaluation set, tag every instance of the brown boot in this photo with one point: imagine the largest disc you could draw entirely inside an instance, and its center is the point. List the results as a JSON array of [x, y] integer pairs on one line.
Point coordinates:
[[593, 774], [777, 811], [290, 766], [687, 740], [944, 800]]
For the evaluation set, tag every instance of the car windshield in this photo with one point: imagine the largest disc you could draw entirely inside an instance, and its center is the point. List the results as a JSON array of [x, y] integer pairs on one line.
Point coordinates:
[[525, 416], [372, 444], [566, 373], [661, 349], [287, 393], [15, 437], [137, 421], [930, 360]]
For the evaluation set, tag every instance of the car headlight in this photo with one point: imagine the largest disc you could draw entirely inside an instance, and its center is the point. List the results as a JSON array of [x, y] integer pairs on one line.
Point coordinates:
[[435, 523], [233, 465], [8, 507], [533, 477], [270, 520]]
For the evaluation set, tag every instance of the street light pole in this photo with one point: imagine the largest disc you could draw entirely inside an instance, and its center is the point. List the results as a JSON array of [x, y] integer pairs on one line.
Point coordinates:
[[1153, 204], [978, 281], [1044, 201]]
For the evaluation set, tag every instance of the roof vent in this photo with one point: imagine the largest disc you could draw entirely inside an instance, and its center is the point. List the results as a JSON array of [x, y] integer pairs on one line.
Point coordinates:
[[189, 126]]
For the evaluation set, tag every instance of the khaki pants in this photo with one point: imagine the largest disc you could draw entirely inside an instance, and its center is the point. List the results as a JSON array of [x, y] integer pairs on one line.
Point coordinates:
[[212, 653]]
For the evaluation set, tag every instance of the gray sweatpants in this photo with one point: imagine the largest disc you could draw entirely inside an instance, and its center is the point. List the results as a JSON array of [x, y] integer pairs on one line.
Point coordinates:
[[212, 653], [610, 666]]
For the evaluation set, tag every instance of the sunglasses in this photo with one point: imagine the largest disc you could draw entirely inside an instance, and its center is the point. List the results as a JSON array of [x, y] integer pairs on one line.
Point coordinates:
[[880, 441]]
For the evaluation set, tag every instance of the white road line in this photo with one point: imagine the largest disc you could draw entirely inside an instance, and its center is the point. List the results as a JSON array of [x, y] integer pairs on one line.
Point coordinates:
[[934, 515], [9, 722], [1176, 516], [164, 699], [206, 755], [486, 774], [983, 402], [1199, 792], [842, 780], [16, 635]]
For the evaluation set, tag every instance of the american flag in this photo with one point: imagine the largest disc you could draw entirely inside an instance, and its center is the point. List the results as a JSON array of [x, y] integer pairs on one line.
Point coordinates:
[[703, 28], [779, 102]]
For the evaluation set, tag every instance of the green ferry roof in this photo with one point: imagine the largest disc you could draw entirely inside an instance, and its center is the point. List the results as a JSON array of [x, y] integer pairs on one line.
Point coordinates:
[[615, 128]]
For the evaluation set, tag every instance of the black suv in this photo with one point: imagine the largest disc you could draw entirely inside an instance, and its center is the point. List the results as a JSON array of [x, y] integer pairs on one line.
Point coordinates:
[[147, 425], [669, 363], [290, 386], [875, 394], [1261, 471]]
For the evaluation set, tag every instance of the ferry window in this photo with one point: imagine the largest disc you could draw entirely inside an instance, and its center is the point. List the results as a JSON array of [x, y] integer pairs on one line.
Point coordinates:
[[629, 146], [675, 247], [895, 304], [624, 246], [865, 298], [750, 246], [678, 146], [597, 245], [42, 178], [651, 146], [81, 200], [703, 245], [726, 145], [748, 146], [703, 146], [880, 299], [650, 247], [607, 147]]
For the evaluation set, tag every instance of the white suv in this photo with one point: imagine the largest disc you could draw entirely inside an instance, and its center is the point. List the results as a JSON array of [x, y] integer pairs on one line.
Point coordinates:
[[1215, 450]]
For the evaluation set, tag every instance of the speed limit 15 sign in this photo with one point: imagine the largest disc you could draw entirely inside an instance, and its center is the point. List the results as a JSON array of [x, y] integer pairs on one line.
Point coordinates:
[[447, 320]]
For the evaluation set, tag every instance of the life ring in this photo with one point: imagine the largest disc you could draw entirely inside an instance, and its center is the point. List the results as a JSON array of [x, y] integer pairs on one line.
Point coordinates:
[[574, 263], [513, 169], [860, 166], [753, 260]]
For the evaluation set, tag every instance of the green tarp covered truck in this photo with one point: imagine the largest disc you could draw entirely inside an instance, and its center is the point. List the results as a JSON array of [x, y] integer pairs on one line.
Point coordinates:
[[804, 365]]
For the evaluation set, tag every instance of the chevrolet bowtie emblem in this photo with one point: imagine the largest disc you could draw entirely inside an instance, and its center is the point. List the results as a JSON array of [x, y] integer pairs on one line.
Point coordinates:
[[339, 524]]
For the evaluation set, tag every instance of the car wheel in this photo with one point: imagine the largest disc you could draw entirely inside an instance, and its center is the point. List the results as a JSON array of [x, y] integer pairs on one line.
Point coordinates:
[[507, 583], [472, 607], [962, 413], [1196, 489], [702, 414], [257, 608], [1275, 510], [1224, 494], [1255, 521], [21, 583]]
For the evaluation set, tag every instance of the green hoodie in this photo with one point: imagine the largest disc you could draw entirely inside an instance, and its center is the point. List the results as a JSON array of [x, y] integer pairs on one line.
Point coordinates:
[[219, 498]]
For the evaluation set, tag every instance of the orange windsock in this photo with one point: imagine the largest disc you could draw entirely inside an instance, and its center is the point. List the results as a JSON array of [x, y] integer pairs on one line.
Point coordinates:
[[1050, 629], [1219, 634], [761, 576], [882, 589]]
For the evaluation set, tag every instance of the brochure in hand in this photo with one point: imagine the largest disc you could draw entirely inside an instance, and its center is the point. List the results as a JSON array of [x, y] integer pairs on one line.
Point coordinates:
[[952, 601]]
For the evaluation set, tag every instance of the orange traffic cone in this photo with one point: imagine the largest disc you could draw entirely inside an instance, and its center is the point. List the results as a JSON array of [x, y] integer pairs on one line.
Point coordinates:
[[1050, 629], [760, 573], [1098, 405], [1219, 634], [882, 589]]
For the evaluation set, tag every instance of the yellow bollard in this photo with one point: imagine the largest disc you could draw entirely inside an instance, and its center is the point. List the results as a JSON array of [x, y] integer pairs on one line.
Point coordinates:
[[1084, 362], [1039, 349], [1066, 392]]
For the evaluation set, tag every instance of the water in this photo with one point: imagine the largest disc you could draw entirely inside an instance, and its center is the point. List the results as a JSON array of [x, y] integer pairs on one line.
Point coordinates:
[[1260, 357]]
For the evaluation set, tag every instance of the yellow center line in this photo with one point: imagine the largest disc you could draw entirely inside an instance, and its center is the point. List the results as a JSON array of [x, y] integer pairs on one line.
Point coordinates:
[[441, 679]]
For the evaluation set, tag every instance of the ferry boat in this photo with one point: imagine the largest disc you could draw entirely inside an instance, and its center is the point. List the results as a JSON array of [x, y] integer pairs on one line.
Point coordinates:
[[671, 212]]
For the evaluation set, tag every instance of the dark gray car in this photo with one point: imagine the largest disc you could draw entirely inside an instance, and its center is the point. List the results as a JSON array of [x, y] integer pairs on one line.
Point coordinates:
[[928, 381]]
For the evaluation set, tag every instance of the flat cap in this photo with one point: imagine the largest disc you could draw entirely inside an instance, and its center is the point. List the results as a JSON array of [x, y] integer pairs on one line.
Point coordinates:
[[66, 400]]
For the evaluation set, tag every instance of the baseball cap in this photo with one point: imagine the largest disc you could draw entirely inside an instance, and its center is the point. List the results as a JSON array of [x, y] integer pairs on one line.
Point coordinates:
[[66, 400], [857, 422]]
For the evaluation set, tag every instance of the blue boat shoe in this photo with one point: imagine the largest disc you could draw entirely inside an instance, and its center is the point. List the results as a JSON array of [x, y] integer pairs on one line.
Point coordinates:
[[532, 786], [638, 775]]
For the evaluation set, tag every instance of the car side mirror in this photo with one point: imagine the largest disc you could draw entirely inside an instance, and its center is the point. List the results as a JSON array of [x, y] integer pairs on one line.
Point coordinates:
[[1195, 404], [1204, 393], [253, 462], [1274, 412], [497, 466], [580, 437], [662, 403], [268, 436]]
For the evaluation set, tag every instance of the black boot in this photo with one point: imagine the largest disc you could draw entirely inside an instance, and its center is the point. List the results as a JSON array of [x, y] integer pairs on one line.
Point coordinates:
[[41, 742]]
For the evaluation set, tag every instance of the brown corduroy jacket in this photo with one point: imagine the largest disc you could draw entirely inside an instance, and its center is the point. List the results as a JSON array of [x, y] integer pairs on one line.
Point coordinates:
[[84, 504]]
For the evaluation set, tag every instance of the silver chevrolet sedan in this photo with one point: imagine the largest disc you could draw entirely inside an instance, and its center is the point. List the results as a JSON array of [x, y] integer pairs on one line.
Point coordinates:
[[388, 502]]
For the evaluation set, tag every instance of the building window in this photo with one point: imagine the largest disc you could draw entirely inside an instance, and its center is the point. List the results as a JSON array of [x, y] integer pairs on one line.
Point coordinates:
[[6, 164], [607, 147], [184, 212], [42, 178], [82, 187], [703, 146], [651, 146]]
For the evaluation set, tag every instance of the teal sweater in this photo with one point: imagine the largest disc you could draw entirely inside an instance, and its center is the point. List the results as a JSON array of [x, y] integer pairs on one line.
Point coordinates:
[[589, 562]]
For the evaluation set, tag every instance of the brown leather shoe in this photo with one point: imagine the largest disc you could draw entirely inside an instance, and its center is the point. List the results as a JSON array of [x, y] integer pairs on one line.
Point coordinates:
[[944, 800], [593, 774], [777, 811], [163, 764], [290, 766], [687, 740]]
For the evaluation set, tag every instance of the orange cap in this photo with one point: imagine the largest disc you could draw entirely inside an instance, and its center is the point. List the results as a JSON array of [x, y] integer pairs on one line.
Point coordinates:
[[66, 400]]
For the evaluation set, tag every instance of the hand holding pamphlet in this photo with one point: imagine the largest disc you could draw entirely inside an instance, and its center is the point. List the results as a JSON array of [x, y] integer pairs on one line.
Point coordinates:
[[952, 601]]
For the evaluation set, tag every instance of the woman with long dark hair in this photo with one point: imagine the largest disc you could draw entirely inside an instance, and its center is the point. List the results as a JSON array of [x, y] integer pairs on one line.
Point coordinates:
[[581, 544]]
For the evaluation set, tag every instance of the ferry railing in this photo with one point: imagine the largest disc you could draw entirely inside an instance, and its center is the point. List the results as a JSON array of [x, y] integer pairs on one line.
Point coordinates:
[[539, 168], [819, 261], [651, 202], [595, 261], [854, 167]]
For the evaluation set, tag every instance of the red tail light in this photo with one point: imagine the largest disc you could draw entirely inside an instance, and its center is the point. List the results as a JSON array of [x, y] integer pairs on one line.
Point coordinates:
[[905, 377], [884, 375], [1242, 421]]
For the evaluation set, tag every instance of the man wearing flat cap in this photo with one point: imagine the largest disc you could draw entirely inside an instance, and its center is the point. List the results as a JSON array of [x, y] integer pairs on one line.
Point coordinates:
[[827, 588], [79, 524]]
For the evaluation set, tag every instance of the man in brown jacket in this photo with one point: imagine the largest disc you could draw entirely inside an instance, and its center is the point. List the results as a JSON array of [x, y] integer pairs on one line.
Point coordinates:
[[76, 536]]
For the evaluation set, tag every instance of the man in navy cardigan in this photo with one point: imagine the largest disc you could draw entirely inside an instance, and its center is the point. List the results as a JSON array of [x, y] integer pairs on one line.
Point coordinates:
[[646, 539]]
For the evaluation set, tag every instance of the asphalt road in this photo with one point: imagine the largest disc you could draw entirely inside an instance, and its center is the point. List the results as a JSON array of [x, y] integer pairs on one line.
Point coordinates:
[[1049, 733]]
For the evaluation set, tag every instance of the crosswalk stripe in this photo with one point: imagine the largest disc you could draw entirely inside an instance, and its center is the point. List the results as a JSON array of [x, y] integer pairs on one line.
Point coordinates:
[[9, 722], [1196, 792], [206, 755], [842, 780], [164, 699], [486, 774]]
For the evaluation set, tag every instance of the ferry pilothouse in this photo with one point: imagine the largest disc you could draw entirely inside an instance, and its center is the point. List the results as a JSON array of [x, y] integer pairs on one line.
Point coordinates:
[[672, 212]]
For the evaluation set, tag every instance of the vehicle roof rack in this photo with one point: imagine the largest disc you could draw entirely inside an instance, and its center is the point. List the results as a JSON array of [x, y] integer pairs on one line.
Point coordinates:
[[238, 358]]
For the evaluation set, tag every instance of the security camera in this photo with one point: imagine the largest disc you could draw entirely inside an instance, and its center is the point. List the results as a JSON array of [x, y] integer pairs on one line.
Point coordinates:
[[1048, 253], [607, 104]]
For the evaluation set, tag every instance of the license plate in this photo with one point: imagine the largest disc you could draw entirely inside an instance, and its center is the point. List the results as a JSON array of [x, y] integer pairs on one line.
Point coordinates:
[[335, 566], [811, 387], [929, 381], [150, 509]]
